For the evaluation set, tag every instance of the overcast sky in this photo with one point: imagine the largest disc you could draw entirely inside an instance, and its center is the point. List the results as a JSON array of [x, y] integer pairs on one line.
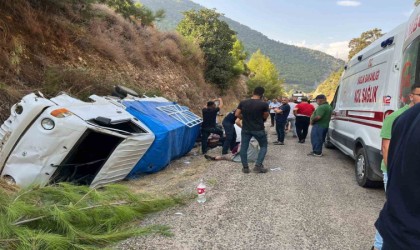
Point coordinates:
[[325, 25]]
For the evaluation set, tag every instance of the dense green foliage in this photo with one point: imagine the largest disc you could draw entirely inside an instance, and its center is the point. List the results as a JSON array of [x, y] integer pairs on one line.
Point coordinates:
[[239, 56], [417, 2], [329, 86], [215, 39], [366, 38], [300, 66], [73, 217], [264, 74]]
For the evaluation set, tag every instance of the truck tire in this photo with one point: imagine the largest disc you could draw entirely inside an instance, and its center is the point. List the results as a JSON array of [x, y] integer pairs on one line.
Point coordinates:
[[328, 143], [362, 168], [122, 92]]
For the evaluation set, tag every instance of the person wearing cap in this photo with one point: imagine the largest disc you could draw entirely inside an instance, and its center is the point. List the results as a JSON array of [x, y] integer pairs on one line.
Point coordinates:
[[320, 121]]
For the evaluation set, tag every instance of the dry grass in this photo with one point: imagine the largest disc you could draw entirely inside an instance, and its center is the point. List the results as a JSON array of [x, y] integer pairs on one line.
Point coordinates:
[[52, 46], [175, 179]]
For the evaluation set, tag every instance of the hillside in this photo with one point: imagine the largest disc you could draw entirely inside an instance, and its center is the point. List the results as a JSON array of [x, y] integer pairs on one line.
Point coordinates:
[[298, 66], [53, 46]]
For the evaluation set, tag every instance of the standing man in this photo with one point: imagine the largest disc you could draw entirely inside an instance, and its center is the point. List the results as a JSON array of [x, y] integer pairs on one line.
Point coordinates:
[[282, 113], [320, 121], [386, 138], [209, 122], [291, 117], [303, 112], [399, 220], [273, 105], [230, 133], [253, 112]]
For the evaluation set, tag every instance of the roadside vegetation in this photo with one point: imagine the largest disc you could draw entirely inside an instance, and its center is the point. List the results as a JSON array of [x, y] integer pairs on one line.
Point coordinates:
[[65, 216], [264, 73]]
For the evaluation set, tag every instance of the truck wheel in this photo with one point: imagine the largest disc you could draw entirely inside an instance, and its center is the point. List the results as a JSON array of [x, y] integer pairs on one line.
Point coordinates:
[[328, 143], [122, 92], [362, 168]]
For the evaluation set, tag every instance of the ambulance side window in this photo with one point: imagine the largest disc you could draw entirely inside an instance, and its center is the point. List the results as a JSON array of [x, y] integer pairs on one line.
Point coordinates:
[[410, 70], [334, 101]]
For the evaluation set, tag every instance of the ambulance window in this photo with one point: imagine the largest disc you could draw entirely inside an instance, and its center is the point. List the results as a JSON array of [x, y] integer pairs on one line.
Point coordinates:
[[334, 101], [410, 70]]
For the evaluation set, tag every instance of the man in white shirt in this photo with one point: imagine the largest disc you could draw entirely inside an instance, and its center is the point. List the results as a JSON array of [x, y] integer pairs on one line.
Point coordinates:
[[273, 105], [291, 118]]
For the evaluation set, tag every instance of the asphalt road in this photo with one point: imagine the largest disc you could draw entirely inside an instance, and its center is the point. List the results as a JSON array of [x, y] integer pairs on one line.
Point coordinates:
[[305, 203]]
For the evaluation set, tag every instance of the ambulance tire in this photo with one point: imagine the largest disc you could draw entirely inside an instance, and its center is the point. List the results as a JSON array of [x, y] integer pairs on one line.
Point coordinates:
[[328, 143], [362, 168]]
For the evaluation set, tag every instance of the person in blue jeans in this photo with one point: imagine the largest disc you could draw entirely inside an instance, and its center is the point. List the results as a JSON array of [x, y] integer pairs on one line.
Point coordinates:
[[320, 121], [253, 112], [282, 113]]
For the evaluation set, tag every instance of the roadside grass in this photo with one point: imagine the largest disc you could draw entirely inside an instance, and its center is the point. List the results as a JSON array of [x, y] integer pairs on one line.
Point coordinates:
[[65, 216]]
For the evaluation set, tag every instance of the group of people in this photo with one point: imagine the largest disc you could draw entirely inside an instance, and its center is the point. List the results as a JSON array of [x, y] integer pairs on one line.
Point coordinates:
[[398, 225], [252, 114]]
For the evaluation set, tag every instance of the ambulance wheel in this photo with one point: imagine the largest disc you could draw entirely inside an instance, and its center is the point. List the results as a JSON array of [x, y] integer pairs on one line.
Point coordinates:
[[362, 168], [328, 143]]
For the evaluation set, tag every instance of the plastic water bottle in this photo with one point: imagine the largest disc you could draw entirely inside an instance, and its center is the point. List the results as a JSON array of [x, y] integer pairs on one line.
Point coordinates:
[[201, 191]]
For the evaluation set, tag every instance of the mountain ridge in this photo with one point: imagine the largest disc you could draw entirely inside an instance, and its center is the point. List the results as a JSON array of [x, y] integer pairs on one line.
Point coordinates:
[[302, 68]]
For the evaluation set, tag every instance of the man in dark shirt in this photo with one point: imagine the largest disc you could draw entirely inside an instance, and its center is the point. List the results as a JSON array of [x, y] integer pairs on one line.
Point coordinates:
[[399, 220], [282, 113], [209, 123], [254, 113]]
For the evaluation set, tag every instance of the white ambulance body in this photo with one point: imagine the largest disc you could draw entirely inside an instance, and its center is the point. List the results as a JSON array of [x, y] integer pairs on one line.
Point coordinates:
[[369, 90]]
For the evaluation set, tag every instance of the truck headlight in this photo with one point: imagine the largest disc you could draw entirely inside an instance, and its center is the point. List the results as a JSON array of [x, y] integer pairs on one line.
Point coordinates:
[[9, 180], [47, 124]]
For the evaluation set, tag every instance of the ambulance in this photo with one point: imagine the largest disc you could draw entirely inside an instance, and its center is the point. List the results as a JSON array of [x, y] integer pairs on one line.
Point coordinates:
[[375, 83]]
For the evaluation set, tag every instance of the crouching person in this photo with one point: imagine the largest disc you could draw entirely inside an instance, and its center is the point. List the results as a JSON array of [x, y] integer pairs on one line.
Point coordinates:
[[209, 123]]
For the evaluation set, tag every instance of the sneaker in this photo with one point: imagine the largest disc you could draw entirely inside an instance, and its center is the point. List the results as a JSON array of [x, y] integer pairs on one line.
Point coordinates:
[[313, 154], [260, 169], [301, 141], [245, 170], [294, 136], [278, 143]]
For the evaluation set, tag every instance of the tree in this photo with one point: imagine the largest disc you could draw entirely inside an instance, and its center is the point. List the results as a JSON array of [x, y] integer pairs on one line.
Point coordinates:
[[215, 39], [134, 11], [417, 2], [366, 38], [329, 86], [239, 55], [265, 74]]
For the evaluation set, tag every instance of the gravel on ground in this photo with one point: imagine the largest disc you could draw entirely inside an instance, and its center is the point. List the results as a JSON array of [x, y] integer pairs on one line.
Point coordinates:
[[304, 202]]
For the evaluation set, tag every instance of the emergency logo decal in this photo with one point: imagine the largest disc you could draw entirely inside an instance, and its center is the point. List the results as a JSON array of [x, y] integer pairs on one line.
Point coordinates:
[[387, 100]]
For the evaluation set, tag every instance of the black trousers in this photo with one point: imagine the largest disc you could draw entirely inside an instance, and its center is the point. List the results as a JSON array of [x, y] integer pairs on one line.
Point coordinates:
[[272, 115], [230, 140], [302, 125], [205, 133]]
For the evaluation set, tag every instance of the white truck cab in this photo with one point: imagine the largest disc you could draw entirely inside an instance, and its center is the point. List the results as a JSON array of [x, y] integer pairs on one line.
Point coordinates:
[[369, 90], [64, 139]]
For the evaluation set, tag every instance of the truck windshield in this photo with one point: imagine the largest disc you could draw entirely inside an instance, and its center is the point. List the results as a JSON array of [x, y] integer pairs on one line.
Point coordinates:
[[410, 70]]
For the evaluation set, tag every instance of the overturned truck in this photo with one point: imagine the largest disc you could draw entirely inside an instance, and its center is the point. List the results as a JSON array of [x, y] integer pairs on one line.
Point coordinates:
[[46, 141]]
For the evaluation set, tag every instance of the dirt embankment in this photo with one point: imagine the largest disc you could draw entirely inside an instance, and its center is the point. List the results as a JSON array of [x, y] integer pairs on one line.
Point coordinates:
[[51, 46]]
